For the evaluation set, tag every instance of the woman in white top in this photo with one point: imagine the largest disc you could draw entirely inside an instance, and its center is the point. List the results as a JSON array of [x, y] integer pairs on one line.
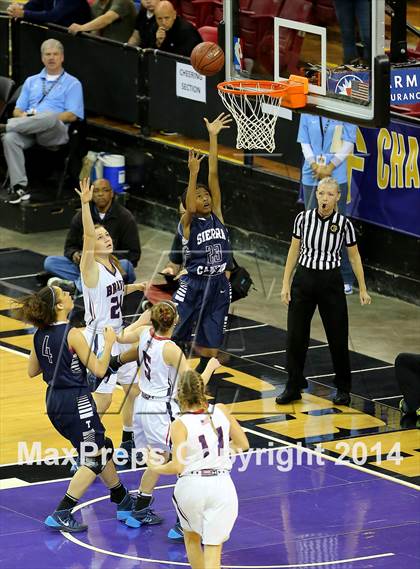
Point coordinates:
[[205, 496], [103, 293], [160, 361]]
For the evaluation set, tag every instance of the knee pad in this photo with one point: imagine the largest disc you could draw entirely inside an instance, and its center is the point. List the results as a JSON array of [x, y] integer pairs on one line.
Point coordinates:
[[97, 463], [94, 463]]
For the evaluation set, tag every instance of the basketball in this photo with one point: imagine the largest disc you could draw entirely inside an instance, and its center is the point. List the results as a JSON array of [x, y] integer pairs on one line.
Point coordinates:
[[207, 58]]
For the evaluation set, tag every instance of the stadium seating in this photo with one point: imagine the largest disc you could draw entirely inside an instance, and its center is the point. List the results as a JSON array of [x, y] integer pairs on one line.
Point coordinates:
[[208, 33]]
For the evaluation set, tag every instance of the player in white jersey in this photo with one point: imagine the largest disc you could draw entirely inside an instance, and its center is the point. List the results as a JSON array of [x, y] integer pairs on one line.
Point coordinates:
[[205, 496], [160, 360], [103, 292]]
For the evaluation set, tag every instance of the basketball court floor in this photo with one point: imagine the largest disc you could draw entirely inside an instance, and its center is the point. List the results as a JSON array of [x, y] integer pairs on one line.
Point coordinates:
[[323, 486]]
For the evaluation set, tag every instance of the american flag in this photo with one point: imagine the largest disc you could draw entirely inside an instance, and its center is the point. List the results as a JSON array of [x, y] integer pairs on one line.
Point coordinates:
[[360, 90]]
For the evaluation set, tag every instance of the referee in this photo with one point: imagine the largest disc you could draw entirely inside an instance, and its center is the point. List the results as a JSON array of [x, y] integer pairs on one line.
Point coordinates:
[[318, 235]]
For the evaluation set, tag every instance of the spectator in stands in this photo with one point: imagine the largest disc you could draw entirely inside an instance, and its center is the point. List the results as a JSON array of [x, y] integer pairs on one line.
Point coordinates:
[[113, 19], [326, 146], [48, 102], [144, 34], [348, 11], [62, 12], [174, 34], [120, 224]]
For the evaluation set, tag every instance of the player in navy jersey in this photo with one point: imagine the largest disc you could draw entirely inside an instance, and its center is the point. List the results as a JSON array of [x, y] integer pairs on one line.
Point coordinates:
[[62, 355], [204, 293], [103, 293], [204, 496]]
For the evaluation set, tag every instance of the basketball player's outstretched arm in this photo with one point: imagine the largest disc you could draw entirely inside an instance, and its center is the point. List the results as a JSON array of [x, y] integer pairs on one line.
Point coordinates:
[[131, 334], [134, 287], [97, 366], [88, 266], [194, 161], [221, 122], [239, 440], [211, 367]]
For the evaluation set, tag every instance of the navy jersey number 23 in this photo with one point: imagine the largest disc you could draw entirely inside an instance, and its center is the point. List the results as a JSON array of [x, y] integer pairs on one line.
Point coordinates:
[[207, 251]]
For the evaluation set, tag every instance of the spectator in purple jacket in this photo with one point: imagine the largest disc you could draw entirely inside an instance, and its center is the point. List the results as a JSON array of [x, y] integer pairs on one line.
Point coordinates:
[[62, 12]]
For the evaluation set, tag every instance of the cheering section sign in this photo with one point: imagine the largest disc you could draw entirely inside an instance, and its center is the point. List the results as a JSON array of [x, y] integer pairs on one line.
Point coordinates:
[[384, 176]]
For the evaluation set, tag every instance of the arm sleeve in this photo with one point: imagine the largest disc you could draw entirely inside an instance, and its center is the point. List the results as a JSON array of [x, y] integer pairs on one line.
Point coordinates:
[[175, 254], [61, 9], [74, 99], [350, 234], [308, 153], [345, 151], [74, 238], [297, 226]]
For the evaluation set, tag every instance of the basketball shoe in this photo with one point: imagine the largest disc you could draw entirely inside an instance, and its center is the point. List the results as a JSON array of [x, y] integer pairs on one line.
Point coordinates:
[[176, 533], [63, 520], [125, 507], [146, 517]]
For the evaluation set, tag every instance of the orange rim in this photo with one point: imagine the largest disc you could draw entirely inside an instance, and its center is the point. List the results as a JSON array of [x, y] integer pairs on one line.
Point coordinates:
[[248, 87]]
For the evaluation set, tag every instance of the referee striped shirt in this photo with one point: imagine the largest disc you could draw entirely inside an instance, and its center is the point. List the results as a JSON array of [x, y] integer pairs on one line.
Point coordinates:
[[321, 239]]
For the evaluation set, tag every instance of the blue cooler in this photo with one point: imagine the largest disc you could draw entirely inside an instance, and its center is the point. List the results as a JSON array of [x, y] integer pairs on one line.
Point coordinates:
[[114, 171]]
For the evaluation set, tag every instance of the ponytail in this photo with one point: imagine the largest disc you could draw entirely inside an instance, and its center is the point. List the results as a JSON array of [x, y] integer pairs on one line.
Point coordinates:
[[38, 308], [191, 390], [163, 315], [115, 261]]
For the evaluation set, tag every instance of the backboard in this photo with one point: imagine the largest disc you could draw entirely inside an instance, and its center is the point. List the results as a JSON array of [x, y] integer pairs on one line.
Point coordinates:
[[338, 44]]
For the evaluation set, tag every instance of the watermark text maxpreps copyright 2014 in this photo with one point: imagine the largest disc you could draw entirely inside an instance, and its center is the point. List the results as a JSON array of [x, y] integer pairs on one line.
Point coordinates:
[[284, 459]]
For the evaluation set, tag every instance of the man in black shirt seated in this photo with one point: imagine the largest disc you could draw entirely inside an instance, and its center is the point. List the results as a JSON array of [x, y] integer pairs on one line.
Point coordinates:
[[145, 28], [174, 34], [120, 224], [62, 12]]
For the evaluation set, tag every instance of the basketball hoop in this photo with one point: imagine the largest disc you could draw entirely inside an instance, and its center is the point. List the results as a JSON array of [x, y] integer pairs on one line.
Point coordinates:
[[250, 102]]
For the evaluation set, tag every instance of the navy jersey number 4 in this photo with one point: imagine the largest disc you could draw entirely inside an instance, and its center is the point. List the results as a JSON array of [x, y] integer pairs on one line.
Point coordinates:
[[46, 351]]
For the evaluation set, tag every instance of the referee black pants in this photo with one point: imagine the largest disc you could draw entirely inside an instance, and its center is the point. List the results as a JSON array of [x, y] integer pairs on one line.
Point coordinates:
[[325, 289], [407, 372]]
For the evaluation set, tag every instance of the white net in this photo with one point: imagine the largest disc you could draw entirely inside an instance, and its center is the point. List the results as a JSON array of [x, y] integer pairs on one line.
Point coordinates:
[[256, 127]]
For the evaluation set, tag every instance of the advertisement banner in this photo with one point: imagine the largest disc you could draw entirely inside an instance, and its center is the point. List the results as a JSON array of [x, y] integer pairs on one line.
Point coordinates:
[[405, 86], [384, 175]]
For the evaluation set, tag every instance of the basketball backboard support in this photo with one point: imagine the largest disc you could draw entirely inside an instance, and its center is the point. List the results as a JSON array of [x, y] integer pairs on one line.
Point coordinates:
[[340, 51]]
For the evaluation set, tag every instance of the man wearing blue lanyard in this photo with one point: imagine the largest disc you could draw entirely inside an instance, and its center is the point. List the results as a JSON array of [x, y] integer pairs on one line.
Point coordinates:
[[48, 102], [326, 145]]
